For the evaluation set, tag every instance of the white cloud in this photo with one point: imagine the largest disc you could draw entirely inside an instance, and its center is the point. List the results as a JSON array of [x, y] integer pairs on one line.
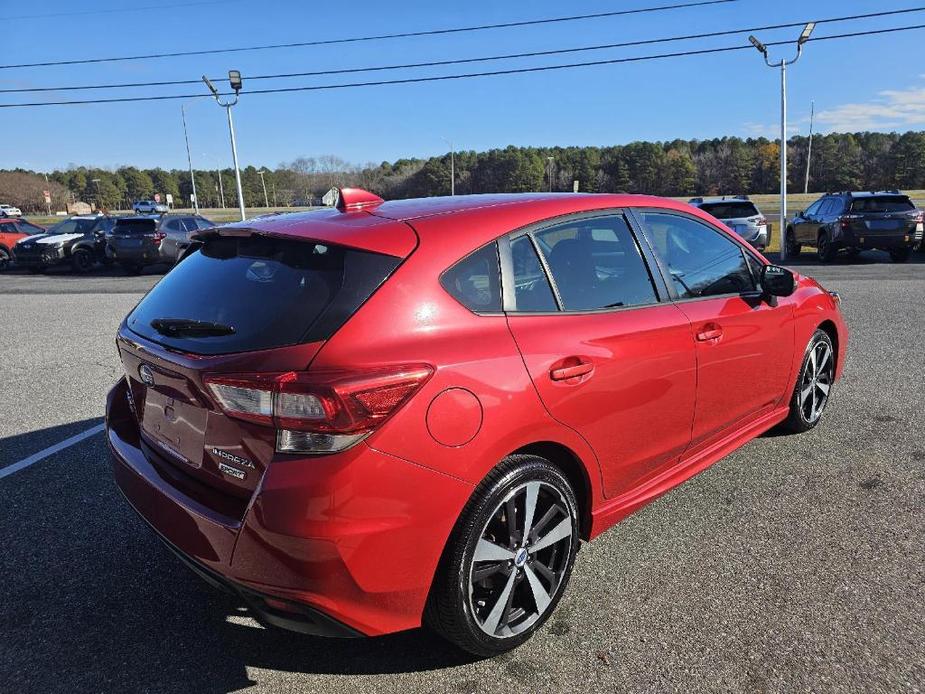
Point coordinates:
[[769, 130], [893, 108]]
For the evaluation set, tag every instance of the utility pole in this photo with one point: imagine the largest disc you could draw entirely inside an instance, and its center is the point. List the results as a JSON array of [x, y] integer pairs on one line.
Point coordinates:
[[98, 200], [809, 146], [234, 79], [782, 64], [551, 161], [189, 159], [266, 200]]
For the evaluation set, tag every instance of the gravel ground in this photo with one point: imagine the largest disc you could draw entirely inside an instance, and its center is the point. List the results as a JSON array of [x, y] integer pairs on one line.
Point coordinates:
[[794, 564]]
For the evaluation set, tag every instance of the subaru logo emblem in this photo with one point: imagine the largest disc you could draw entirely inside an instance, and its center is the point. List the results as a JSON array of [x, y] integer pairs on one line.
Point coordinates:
[[147, 374]]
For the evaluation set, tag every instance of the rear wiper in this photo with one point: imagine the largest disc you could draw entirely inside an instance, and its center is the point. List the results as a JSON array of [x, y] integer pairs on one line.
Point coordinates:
[[174, 327]]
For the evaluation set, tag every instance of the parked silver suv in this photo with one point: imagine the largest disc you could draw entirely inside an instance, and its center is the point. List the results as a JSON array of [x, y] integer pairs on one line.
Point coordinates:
[[149, 207], [142, 240], [739, 214]]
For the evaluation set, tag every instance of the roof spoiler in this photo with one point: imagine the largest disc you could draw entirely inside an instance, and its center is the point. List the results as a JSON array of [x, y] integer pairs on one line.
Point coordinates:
[[356, 199]]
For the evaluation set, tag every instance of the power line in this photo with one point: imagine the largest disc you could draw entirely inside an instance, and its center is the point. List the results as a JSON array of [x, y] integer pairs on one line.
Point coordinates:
[[378, 37], [512, 71], [460, 61]]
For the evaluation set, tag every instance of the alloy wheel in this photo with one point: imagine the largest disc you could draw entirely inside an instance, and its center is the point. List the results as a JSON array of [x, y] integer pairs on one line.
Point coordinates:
[[521, 558], [817, 381]]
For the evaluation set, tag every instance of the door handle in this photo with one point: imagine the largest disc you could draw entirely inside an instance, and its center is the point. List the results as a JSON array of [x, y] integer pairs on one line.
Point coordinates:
[[711, 331], [566, 372]]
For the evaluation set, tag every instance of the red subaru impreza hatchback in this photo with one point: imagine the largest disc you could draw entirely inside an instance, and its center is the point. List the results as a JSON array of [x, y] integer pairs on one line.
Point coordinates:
[[386, 414]]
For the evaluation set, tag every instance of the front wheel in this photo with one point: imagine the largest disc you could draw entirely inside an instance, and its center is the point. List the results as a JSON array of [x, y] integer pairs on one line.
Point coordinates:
[[900, 255], [814, 384], [4, 259], [509, 558], [81, 261]]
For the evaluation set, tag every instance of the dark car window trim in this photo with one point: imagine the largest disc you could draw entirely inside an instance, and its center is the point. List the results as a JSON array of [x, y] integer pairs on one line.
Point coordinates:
[[666, 274], [507, 265]]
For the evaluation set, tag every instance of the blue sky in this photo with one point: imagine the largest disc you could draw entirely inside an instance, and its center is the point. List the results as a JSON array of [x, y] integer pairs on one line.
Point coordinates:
[[863, 83]]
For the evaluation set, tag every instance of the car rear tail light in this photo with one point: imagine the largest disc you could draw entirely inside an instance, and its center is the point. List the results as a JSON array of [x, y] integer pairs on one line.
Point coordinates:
[[318, 412], [761, 221], [846, 219], [158, 237]]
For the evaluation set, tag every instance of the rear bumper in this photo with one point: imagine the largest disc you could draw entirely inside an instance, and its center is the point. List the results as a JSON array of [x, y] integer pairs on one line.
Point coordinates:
[[339, 545], [138, 255], [879, 240]]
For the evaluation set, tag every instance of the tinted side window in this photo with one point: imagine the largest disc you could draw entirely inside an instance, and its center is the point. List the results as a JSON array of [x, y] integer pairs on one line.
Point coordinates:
[[531, 287], [596, 264], [173, 225], [475, 281], [702, 262]]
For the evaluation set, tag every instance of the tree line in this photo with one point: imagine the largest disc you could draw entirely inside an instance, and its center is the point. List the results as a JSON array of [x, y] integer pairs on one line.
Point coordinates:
[[727, 165]]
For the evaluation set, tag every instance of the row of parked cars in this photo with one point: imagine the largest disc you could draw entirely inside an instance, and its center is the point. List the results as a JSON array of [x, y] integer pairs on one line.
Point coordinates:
[[844, 222], [83, 241]]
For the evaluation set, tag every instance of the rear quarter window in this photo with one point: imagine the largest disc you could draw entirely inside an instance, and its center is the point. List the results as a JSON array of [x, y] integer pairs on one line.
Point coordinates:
[[475, 281], [268, 292]]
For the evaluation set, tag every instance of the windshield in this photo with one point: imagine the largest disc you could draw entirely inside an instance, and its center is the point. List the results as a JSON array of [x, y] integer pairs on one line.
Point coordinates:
[[73, 226], [730, 210], [242, 294], [883, 203]]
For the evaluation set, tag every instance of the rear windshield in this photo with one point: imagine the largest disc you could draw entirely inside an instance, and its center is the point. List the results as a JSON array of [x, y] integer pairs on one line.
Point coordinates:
[[135, 226], [256, 293], [883, 203], [730, 210]]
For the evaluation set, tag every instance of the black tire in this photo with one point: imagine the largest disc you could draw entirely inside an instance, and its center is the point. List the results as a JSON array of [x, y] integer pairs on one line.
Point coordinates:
[[825, 250], [468, 611], [4, 259], [900, 255], [793, 248], [799, 420], [131, 269], [81, 261]]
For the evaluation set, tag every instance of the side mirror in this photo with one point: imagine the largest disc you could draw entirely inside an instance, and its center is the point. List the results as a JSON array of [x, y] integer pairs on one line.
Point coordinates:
[[777, 281], [800, 213]]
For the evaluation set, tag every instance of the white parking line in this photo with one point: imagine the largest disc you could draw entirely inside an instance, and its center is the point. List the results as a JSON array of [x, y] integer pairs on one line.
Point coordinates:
[[51, 450]]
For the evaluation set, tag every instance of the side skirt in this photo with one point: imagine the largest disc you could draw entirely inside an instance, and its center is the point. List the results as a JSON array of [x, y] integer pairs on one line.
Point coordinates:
[[618, 508]]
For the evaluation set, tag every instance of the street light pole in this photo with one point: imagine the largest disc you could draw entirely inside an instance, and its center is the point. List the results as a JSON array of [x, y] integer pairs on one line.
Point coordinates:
[[551, 160], [809, 148], [782, 64], [189, 159], [266, 200], [234, 78]]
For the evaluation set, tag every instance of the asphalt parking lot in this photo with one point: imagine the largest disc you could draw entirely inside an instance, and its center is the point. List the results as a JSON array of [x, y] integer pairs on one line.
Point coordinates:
[[797, 563]]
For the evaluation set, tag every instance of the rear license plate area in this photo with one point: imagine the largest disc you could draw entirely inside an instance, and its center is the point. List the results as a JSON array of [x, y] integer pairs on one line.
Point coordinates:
[[176, 428]]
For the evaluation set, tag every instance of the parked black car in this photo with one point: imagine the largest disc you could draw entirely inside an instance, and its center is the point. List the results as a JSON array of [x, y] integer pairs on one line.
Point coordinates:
[[857, 221], [141, 240], [78, 242]]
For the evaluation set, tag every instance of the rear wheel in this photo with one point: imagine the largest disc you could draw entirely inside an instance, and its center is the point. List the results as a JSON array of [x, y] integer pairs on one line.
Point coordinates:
[[825, 250], [81, 260], [814, 384], [900, 255], [793, 248], [509, 558], [4, 259]]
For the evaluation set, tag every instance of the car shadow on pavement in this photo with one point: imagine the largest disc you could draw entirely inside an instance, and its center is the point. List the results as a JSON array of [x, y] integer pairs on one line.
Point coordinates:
[[93, 601]]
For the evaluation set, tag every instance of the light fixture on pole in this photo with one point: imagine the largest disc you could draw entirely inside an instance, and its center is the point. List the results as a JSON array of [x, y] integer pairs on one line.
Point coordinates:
[[266, 200], [234, 79], [189, 159], [782, 64]]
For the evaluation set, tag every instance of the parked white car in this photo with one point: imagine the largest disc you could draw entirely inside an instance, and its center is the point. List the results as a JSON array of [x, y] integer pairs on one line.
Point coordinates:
[[149, 207], [10, 211]]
